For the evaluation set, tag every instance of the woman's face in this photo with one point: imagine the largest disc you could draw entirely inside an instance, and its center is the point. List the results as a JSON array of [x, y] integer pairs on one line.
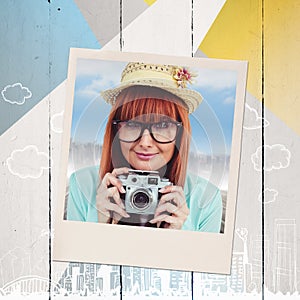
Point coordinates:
[[146, 153]]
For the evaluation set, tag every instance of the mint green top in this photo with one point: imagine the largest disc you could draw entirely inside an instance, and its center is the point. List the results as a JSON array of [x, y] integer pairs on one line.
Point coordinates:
[[203, 200]]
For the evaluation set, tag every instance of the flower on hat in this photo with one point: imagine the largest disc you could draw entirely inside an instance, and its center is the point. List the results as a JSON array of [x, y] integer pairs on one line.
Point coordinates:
[[182, 76]]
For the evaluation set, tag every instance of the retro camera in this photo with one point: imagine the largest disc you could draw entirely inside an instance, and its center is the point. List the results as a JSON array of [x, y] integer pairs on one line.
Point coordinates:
[[142, 194]]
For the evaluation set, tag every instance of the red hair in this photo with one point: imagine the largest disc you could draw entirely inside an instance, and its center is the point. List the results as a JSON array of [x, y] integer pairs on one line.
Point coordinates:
[[150, 103]]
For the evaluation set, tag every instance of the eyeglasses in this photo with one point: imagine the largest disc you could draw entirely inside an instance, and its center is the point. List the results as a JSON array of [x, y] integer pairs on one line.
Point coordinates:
[[162, 132]]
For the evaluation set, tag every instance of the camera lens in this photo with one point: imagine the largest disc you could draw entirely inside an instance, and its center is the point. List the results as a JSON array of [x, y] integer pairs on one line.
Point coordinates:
[[140, 200]]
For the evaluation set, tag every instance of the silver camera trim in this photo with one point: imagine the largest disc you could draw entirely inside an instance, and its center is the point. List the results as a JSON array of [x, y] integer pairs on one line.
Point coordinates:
[[132, 187]]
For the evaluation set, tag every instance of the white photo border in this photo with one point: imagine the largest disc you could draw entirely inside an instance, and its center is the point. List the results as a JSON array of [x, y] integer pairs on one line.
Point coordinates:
[[143, 246]]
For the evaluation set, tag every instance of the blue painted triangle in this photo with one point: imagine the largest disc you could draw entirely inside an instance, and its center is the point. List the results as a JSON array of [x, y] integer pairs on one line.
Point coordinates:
[[35, 41]]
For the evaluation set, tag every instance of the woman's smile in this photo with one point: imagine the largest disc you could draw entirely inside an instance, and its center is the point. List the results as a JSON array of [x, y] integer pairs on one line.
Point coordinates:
[[145, 156]]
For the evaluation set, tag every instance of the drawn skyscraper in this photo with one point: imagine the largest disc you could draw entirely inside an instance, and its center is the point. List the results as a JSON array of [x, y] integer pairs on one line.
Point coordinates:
[[237, 273], [285, 275], [256, 251], [147, 279], [126, 277]]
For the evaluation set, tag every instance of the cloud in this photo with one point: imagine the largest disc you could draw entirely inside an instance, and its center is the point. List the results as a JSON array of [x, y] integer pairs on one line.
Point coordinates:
[[106, 74], [56, 122], [94, 67], [215, 78], [229, 100], [103, 75], [16, 93], [270, 196], [276, 157], [94, 76], [252, 120], [28, 162], [93, 89]]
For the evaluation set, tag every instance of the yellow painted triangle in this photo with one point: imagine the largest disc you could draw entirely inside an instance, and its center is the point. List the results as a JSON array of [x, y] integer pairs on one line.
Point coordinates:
[[237, 34], [282, 60], [149, 2]]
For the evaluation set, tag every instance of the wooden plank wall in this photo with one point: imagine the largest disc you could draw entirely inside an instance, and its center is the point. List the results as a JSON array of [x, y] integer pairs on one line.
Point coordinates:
[[265, 255]]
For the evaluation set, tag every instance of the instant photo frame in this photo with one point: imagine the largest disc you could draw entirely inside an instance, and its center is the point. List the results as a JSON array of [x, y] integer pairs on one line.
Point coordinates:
[[94, 242]]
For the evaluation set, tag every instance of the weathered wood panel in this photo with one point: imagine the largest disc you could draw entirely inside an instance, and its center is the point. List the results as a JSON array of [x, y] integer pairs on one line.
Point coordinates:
[[30, 145]]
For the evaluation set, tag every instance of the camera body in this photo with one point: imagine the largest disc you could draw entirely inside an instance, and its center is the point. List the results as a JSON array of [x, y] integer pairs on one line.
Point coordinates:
[[142, 194]]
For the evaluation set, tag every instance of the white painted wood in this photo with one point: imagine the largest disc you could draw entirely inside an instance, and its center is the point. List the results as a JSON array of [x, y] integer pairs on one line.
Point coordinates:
[[246, 274], [56, 112], [282, 206], [24, 201], [204, 14], [246, 270], [282, 146], [24, 196], [164, 28]]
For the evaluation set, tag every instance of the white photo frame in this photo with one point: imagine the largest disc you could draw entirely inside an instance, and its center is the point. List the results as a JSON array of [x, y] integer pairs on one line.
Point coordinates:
[[143, 246]]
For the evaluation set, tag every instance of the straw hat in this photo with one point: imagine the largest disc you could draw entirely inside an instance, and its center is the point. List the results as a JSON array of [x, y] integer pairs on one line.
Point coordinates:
[[173, 79]]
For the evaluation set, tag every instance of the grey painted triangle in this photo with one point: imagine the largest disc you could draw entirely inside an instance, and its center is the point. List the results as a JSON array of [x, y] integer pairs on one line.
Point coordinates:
[[132, 9], [199, 53], [103, 16]]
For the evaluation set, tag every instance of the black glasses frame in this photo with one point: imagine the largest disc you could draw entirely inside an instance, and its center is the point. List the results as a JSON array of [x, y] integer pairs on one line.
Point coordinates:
[[149, 127]]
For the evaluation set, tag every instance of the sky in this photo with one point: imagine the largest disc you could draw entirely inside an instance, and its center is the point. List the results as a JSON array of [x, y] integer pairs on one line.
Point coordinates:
[[211, 123]]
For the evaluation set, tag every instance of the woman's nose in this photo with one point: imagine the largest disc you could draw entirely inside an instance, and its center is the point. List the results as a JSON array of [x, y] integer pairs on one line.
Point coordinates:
[[146, 139]]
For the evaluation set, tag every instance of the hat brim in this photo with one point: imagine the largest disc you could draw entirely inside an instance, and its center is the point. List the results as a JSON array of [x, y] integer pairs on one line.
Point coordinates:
[[190, 98]]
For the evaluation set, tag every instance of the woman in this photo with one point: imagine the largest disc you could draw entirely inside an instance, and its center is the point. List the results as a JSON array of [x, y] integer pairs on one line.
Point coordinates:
[[148, 129]]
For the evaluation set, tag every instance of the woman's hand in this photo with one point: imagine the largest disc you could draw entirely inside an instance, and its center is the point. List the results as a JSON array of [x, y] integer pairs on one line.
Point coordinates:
[[108, 201], [174, 204]]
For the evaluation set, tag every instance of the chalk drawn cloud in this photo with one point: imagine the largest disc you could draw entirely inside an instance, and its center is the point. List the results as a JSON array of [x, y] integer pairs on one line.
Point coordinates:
[[253, 120], [56, 122], [16, 93], [276, 157], [28, 162], [270, 196]]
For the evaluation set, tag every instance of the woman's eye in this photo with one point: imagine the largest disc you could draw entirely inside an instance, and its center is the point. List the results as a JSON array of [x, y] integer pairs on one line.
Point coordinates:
[[132, 124], [162, 125]]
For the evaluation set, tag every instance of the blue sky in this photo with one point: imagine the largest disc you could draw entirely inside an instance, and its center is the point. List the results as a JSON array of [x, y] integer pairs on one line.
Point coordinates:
[[211, 122]]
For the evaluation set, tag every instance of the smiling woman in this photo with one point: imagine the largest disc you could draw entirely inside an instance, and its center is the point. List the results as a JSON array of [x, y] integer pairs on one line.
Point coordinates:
[[143, 177]]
